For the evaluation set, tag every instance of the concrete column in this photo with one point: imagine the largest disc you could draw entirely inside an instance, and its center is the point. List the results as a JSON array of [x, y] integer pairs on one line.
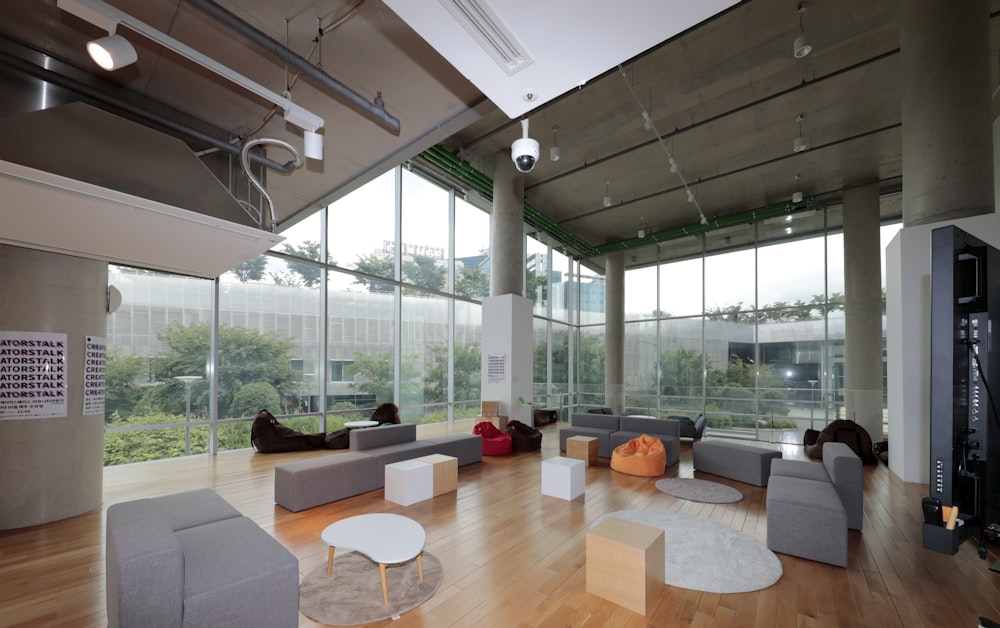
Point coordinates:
[[614, 331], [863, 309], [507, 232], [53, 468], [947, 134], [948, 174]]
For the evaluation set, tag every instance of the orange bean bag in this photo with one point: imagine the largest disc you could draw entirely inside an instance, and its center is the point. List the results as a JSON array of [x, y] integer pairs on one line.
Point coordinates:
[[643, 456]]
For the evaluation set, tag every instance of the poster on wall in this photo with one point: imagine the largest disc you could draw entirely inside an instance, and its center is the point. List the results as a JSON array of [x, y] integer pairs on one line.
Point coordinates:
[[32, 375], [95, 359], [496, 368]]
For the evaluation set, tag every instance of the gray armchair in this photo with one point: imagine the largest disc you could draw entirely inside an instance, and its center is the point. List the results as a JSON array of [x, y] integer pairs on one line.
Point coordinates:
[[691, 428]]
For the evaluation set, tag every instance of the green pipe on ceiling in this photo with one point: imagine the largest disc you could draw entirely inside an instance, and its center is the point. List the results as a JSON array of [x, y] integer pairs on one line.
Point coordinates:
[[463, 170]]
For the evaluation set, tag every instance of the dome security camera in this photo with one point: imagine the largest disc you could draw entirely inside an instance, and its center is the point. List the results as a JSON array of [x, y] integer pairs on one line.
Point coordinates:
[[524, 151]]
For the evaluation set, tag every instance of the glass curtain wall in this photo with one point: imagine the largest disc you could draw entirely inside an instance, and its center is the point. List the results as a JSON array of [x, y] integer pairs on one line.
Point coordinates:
[[353, 309]]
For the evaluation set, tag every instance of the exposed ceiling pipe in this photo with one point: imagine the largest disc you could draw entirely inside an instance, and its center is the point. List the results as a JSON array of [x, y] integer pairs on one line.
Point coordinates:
[[103, 97], [374, 111]]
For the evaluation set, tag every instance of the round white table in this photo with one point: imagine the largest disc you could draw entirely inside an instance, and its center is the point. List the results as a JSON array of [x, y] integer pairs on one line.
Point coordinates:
[[361, 424], [385, 538]]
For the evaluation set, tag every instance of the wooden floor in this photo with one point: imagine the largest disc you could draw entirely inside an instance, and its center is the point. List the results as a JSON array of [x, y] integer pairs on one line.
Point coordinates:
[[512, 557]]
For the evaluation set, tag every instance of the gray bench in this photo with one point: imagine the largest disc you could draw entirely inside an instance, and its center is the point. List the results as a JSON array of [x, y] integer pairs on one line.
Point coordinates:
[[307, 483], [811, 505], [191, 559], [612, 430], [736, 461]]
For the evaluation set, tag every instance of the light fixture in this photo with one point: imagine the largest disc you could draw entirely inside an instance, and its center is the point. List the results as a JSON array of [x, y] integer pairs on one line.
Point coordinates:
[[648, 124], [673, 166], [642, 233], [788, 230], [690, 195], [801, 47], [313, 145], [101, 14], [607, 193], [112, 52], [642, 230], [799, 144], [796, 197], [554, 151]]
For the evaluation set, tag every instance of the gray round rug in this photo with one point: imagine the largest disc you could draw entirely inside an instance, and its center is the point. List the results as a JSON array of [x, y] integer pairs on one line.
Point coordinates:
[[699, 490], [704, 555], [352, 593]]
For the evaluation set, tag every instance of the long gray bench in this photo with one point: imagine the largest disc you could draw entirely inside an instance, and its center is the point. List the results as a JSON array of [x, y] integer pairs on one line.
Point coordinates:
[[733, 460], [307, 483], [811, 505]]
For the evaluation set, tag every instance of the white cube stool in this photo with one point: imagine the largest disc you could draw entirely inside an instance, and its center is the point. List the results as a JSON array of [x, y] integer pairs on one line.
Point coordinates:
[[563, 477], [409, 481]]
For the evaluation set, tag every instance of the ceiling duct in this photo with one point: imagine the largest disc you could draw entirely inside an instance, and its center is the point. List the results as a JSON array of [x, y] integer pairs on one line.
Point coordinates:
[[374, 111]]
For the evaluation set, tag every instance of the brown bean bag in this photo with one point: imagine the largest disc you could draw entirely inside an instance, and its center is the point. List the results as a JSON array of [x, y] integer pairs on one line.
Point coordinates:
[[841, 431], [271, 437], [523, 437], [643, 456]]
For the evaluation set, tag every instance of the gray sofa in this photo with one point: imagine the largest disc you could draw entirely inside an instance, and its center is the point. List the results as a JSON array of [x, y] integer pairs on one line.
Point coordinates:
[[191, 559], [810, 506], [612, 430], [316, 481]]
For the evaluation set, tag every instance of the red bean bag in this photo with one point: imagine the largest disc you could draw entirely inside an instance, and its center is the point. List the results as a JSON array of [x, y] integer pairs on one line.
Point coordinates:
[[495, 442], [643, 456]]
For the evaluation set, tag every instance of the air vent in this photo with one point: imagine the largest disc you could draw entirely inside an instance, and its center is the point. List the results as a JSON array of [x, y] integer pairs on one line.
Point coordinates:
[[489, 31]]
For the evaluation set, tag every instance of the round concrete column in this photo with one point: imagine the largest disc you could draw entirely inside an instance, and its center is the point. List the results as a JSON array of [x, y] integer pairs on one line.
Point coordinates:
[[507, 234], [614, 331], [947, 132], [53, 468], [863, 309]]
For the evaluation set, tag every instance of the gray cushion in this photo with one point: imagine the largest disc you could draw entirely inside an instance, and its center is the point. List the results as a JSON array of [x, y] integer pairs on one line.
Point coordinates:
[[651, 426], [805, 518], [307, 483], [382, 436], [468, 448], [144, 567], [844, 468], [599, 421], [194, 508], [736, 461], [236, 574]]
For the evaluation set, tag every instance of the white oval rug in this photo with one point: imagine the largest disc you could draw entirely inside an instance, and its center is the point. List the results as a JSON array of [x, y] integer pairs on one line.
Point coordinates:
[[697, 490], [704, 555]]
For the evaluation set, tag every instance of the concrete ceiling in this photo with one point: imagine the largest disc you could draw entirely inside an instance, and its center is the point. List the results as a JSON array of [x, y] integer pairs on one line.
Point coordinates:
[[724, 97]]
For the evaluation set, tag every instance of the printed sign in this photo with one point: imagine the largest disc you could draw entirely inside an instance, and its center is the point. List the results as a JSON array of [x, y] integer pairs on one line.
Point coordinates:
[[94, 362], [496, 368], [32, 375]]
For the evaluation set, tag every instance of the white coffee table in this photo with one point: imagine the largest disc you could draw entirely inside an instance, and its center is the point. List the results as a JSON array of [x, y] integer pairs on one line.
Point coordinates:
[[361, 424], [385, 538]]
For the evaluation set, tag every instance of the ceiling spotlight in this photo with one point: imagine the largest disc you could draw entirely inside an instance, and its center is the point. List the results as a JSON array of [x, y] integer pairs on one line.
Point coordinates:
[[788, 230], [673, 166], [313, 145], [607, 194], [112, 52], [554, 151], [796, 198], [690, 195], [642, 233], [799, 144], [648, 124], [801, 47]]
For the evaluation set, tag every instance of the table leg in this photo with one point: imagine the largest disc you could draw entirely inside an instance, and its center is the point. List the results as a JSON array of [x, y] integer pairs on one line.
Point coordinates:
[[329, 561], [385, 590], [420, 566]]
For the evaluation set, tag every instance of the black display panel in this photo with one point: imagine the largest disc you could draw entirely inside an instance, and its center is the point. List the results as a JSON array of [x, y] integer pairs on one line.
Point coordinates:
[[965, 376]]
